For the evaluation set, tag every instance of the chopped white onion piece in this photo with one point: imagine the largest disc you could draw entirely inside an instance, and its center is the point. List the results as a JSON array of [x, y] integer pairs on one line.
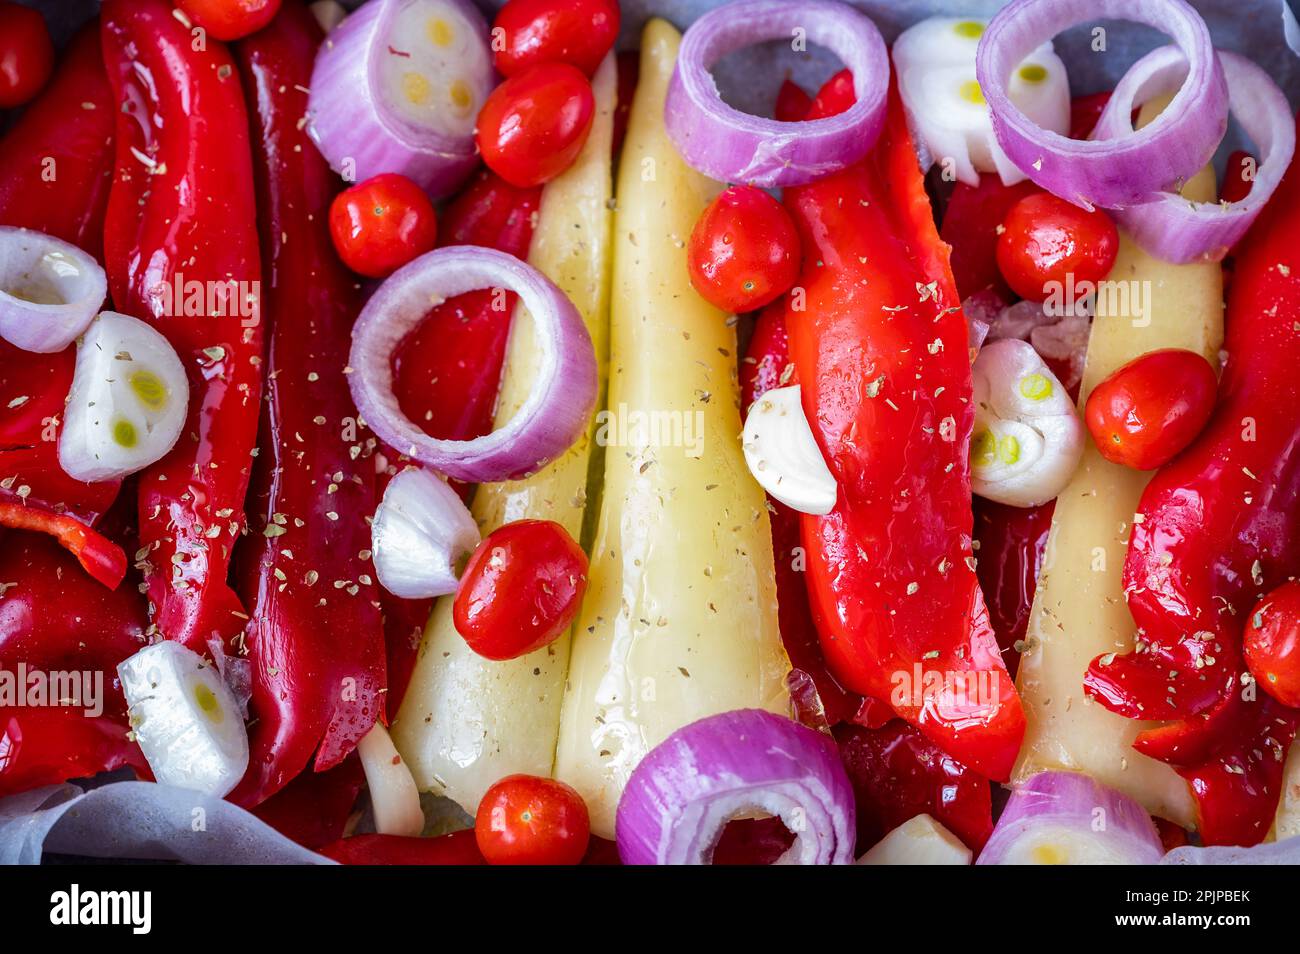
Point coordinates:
[[128, 400], [1028, 438], [420, 531], [935, 60], [783, 455], [185, 719], [394, 798], [918, 841], [49, 290]]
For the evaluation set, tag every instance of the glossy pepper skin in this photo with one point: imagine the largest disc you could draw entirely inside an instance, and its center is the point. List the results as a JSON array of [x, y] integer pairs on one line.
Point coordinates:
[[55, 172], [54, 617], [186, 210], [315, 637], [881, 349], [1220, 527]]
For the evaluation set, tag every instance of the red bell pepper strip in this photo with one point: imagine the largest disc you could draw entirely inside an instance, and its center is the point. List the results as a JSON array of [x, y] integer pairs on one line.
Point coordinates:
[[315, 638], [52, 617], [792, 102], [181, 212], [1012, 541], [54, 178], [766, 365], [44, 746], [55, 161], [897, 774], [881, 349], [458, 848], [1217, 528], [100, 557], [315, 807], [447, 372]]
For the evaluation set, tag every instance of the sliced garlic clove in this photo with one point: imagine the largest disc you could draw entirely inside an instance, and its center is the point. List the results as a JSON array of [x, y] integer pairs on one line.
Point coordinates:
[[394, 797], [185, 719], [935, 62], [128, 400], [918, 841], [1028, 438], [420, 532], [783, 455]]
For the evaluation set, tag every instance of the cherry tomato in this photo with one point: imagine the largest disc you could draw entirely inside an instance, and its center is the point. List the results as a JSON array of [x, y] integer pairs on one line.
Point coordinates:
[[534, 125], [744, 251], [26, 54], [520, 589], [1272, 643], [381, 224], [577, 32], [526, 820], [1151, 408], [230, 19], [1047, 240]]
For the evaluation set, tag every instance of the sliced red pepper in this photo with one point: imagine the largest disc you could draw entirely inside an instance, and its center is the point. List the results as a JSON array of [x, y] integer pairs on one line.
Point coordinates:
[[447, 372], [881, 349], [1012, 541], [100, 557], [897, 774], [767, 365], [181, 218], [1217, 528], [315, 807], [44, 746], [52, 615], [315, 638], [54, 618], [54, 162], [54, 178], [458, 848]]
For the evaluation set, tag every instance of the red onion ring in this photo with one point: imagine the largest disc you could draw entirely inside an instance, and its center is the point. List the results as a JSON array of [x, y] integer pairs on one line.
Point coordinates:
[[557, 409], [50, 290], [353, 125], [1056, 817], [1111, 173], [731, 146], [1175, 228], [684, 792]]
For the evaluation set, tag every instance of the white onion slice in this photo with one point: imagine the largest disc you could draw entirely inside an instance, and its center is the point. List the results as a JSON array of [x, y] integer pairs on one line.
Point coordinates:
[[1028, 438], [394, 798], [1066, 818], [918, 841], [49, 290], [935, 60], [1111, 173], [783, 455], [681, 795], [185, 719], [397, 87], [420, 531], [732, 146], [1174, 228], [128, 400], [555, 412]]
